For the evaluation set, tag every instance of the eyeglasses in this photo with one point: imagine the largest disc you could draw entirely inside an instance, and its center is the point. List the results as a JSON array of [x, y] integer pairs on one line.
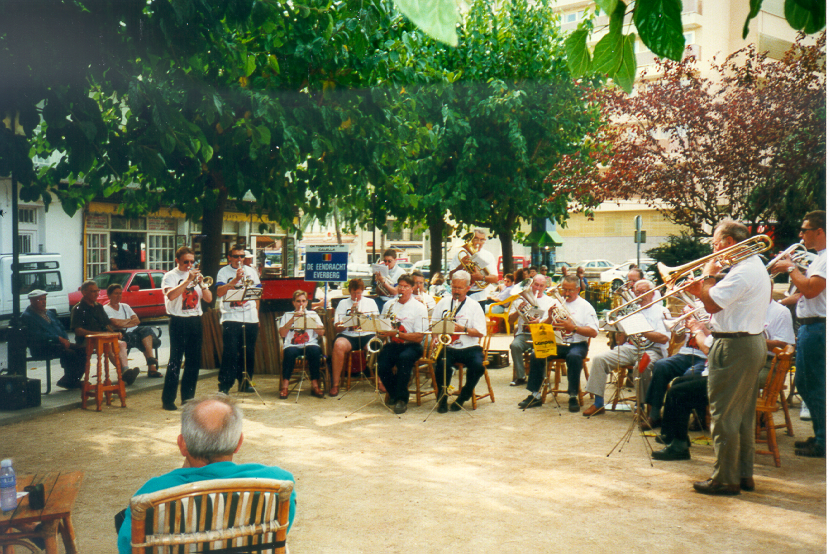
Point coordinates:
[[806, 229], [236, 255], [188, 262]]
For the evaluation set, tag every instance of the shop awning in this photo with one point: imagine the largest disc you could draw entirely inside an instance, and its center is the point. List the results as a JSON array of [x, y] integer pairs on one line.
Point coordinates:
[[544, 238]]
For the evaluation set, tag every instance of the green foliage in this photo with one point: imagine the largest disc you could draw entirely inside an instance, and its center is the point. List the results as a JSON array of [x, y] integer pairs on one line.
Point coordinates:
[[437, 18]]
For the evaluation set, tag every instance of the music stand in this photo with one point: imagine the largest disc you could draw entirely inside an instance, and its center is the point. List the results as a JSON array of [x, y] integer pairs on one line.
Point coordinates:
[[245, 294], [444, 328], [305, 321], [375, 323], [635, 421]]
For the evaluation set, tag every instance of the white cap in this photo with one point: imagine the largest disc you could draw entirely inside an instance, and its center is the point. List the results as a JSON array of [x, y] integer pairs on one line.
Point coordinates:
[[36, 293], [248, 254]]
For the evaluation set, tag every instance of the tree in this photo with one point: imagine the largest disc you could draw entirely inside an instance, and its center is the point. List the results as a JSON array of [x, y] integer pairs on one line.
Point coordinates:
[[492, 116], [700, 150]]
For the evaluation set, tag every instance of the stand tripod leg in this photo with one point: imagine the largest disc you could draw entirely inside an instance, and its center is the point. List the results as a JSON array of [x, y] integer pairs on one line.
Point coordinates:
[[375, 399], [246, 379], [635, 421]]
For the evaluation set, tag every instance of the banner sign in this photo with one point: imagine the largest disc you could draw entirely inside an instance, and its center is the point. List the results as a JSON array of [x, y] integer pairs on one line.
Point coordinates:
[[326, 262]]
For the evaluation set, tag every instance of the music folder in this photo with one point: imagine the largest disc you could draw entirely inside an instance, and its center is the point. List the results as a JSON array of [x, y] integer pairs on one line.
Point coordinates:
[[243, 294]]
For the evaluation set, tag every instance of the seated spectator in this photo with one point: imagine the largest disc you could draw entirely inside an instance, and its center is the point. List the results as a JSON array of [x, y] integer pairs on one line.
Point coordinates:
[[88, 318], [211, 434], [123, 318], [438, 286], [46, 338], [583, 281], [544, 271], [505, 292]]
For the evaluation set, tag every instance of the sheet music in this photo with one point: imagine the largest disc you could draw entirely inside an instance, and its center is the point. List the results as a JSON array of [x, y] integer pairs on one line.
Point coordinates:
[[240, 295], [635, 324], [382, 269]]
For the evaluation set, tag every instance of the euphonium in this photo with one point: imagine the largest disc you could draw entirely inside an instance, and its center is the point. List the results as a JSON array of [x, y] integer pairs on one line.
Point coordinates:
[[559, 311], [470, 266]]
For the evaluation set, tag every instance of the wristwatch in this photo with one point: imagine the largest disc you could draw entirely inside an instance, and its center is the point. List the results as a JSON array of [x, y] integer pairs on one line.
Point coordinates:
[[398, 335], [709, 277], [790, 269]]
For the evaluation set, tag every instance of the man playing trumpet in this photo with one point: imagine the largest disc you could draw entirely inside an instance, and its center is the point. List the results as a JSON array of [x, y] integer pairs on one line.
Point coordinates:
[[470, 324], [420, 293], [578, 328], [521, 316], [403, 344], [237, 318]]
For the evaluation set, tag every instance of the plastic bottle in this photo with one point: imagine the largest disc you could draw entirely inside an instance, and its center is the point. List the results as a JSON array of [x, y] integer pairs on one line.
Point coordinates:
[[8, 487]]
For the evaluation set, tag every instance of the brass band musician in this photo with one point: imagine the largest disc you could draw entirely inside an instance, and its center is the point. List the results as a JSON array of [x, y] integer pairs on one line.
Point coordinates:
[[386, 286], [534, 298], [301, 342], [420, 293], [403, 347], [482, 262], [349, 339]]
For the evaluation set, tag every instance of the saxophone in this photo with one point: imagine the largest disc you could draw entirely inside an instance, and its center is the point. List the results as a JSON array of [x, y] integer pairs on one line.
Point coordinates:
[[443, 339]]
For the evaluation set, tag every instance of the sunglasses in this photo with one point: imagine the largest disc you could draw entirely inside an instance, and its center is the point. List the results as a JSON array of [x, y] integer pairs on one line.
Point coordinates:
[[236, 256], [806, 229], [188, 262]]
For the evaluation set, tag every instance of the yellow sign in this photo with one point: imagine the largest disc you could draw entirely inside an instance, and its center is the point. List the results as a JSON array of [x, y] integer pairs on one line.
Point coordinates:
[[544, 340]]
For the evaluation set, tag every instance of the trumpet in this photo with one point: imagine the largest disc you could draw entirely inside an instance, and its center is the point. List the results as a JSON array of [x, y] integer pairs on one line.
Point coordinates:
[[470, 266], [673, 275], [799, 255]]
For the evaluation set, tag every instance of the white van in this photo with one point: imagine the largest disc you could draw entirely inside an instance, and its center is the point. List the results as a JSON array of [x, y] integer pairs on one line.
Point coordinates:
[[37, 271]]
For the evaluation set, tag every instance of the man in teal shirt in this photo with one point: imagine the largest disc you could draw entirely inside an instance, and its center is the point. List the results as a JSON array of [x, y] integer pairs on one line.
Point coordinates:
[[211, 435]]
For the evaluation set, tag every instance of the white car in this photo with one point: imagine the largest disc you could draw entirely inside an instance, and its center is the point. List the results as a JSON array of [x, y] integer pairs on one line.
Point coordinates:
[[593, 268], [619, 274]]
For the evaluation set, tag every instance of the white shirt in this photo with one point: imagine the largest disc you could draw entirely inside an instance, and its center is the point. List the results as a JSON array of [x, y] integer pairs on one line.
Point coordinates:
[[344, 309], [470, 315], [123, 311], [584, 315], [243, 312], [394, 275], [188, 304], [300, 338], [410, 317], [429, 300], [543, 303], [743, 296], [814, 307], [778, 324], [484, 260], [655, 316]]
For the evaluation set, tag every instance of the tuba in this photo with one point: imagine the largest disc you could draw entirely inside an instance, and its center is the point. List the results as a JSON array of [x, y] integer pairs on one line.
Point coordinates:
[[470, 266]]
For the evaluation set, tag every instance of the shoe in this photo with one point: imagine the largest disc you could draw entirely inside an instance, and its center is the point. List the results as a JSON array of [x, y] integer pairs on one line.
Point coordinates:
[[811, 451], [573, 404], [517, 382], [317, 393], [334, 391], [530, 402], [130, 375], [710, 486], [594, 410], [68, 384], [747, 484], [457, 405], [283, 394], [805, 444], [400, 407], [245, 388], [169, 406], [154, 374], [224, 390], [442, 405], [805, 413], [670, 454], [649, 424]]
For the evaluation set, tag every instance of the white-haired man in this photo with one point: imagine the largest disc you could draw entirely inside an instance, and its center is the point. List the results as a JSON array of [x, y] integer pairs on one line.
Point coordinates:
[[470, 324], [518, 311], [211, 434]]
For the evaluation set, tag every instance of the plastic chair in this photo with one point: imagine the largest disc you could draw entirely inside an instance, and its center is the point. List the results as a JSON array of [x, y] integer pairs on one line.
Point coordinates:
[[767, 404], [507, 302], [221, 514]]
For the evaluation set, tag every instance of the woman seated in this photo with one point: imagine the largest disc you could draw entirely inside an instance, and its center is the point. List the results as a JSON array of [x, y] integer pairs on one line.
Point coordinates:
[[300, 330]]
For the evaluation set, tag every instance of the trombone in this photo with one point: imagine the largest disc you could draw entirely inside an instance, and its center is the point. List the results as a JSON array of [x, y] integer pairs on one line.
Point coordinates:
[[672, 275]]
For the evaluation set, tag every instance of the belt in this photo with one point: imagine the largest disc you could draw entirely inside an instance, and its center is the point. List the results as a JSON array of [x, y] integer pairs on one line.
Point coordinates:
[[732, 335], [810, 320]]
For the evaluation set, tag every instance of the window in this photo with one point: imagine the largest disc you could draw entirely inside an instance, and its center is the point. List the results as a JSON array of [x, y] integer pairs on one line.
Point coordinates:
[[157, 277], [97, 254], [27, 215], [572, 17], [161, 251], [49, 281], [25, 241], [142, 281], [125, 223]]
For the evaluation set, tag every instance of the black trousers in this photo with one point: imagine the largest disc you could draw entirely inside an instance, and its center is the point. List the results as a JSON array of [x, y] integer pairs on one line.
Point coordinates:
[[312, 354], [573, 354], [472, 357], [185, 341], [403, 355], [686, 394], [235, 358]]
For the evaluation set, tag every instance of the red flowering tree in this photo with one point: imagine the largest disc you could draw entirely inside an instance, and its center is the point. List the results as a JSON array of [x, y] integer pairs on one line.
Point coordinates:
[[748, 143]]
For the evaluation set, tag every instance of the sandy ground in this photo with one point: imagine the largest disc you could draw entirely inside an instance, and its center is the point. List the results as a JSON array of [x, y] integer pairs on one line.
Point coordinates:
[[495, 479]]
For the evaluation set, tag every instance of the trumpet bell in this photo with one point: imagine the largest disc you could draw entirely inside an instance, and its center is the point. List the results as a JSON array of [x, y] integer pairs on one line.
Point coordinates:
[[208, 281]]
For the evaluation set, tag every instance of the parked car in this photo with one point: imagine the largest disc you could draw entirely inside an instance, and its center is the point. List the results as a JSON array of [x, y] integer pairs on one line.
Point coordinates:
[[406, 266], [593, 268], [423, 267], [619, 275], [37, 271], [142, 290]]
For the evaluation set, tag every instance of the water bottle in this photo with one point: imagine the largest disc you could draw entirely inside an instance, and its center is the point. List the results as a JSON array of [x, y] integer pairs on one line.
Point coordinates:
[[8, 487]]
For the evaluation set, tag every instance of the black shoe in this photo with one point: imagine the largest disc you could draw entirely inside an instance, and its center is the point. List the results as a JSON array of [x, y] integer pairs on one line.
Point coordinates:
[[400, 407], [442, 405], [517, 382], [130, 375], [225, 390], [246, 388], [811, 451], [670, 454], [169, 406], [662, 439], [68, 384], [456, 406], [805, 444], [573, 404], [530, 402]]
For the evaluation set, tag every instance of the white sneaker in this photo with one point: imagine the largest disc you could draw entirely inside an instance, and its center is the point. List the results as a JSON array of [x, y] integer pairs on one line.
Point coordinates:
[[805, 413]]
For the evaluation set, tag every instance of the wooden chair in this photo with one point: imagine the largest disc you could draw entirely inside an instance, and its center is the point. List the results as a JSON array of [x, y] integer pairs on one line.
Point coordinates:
[[423, 374], [767, 404], [249, 514], [507, 302], [102, 345], [477, 397], [560, 370]]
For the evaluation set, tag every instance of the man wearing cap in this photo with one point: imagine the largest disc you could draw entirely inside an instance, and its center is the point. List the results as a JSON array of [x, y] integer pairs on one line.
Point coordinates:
[[48, 339]]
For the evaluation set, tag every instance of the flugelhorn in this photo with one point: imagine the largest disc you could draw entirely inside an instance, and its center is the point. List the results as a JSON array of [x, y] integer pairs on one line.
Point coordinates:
[[799, 255], [672, 275]]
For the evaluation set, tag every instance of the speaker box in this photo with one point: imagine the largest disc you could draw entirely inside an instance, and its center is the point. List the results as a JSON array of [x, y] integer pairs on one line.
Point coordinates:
[[498, 359], [17, 392]]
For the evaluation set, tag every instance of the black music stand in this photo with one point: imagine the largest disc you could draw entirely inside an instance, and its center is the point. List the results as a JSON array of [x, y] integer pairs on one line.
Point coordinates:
[[245, 294], [444, 328], [374, 323]]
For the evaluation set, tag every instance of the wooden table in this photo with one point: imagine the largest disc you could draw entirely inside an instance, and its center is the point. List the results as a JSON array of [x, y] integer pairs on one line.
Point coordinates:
[[60, 491]]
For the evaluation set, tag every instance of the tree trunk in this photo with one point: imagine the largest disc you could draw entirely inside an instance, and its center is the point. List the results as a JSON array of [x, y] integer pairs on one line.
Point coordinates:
[[506, 238], [436, 243], [337, 225], [212, 217]]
